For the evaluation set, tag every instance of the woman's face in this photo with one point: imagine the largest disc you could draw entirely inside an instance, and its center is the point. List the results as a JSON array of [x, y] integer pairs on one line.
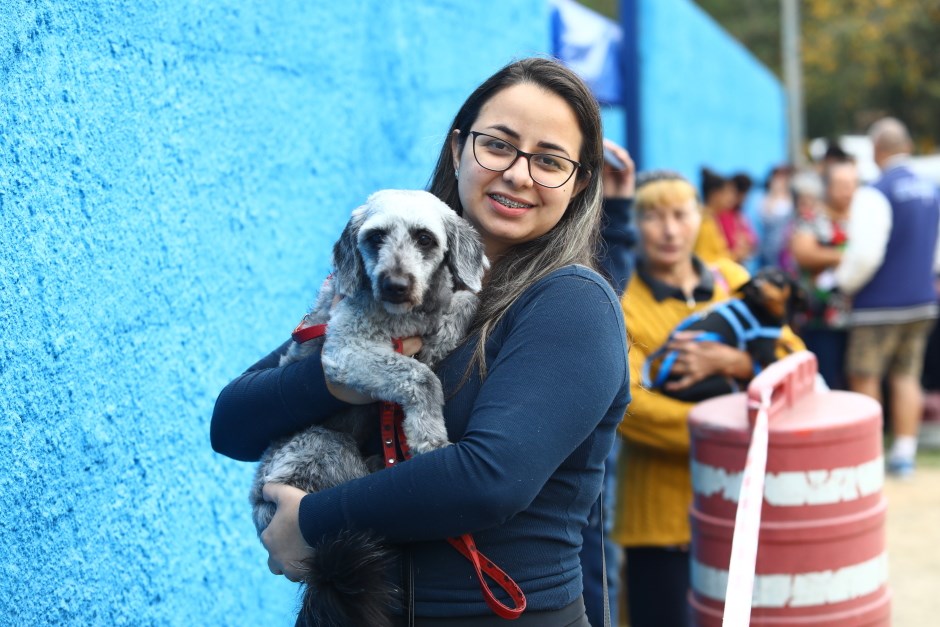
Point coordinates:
[[725, 197], [669, 232], [780, 183], [509, 208], [842, 183]]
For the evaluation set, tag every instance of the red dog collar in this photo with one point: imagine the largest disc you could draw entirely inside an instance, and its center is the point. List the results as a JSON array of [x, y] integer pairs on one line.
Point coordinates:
[[304, 333]]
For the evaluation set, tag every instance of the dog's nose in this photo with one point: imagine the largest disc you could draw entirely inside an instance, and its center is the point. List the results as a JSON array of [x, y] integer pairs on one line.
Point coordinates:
[[394, 289]]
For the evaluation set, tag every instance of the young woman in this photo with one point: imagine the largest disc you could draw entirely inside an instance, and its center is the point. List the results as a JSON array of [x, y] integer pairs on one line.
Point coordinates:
[[547, 385], [723, 198], [710, 243], [654, 485]]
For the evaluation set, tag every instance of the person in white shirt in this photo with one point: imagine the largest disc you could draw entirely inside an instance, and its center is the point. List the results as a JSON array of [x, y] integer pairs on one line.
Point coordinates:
[[889, 266]]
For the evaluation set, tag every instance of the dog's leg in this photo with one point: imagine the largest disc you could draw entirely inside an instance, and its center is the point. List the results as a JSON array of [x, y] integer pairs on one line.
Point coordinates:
[[379, 371], [314, 459], [424, 418]]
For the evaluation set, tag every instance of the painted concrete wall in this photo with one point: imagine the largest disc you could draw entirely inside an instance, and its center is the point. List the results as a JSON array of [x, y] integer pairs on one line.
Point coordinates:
[[172, 175], [704, 99]]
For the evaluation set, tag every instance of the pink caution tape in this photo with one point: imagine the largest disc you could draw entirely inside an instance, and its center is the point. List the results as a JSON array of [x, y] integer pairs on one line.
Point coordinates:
[[747, 525], [778, 387]]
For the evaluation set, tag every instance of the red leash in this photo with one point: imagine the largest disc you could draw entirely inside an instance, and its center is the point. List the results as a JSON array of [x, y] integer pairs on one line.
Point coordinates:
[[393, 439]]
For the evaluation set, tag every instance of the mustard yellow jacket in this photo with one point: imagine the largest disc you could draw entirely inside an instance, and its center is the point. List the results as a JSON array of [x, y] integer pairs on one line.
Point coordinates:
[[654, 489], [710, 246]]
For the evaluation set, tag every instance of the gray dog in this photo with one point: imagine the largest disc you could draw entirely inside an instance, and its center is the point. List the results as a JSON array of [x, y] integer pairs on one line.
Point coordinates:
[[406, 265]]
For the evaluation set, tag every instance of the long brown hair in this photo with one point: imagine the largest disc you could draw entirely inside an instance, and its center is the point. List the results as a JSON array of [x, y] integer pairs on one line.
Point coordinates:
[[575, 238]]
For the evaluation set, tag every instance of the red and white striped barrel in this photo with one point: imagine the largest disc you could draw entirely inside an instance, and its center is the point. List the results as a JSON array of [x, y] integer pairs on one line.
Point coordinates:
[[821, 556]]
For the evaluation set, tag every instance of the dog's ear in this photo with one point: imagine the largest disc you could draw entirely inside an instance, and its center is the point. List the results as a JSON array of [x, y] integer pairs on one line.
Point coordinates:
[[798, 301], [751, 292], [349, 271], [465, 256], [765, 299]]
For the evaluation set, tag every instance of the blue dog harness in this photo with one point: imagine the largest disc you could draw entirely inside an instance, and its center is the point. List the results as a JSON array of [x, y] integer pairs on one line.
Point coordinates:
[[745, 326]]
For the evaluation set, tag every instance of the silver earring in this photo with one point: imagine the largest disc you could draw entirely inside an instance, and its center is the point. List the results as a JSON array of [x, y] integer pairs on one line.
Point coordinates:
[[456, 173]]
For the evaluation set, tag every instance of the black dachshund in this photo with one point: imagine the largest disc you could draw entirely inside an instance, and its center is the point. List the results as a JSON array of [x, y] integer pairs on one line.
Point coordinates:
[[750, 323]]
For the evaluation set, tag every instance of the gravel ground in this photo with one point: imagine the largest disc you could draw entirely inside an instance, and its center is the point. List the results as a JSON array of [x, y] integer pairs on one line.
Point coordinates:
[[913, 530]]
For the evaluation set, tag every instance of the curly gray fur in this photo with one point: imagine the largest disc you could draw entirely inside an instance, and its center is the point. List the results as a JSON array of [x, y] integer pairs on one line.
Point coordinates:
[[397, 265]]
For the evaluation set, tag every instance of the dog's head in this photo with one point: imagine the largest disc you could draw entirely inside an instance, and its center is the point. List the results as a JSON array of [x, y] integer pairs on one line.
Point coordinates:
[[774, 294], [396, 244]]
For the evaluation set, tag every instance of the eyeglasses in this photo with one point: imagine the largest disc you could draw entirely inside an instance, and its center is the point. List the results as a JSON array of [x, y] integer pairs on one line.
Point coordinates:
[[498, 155]]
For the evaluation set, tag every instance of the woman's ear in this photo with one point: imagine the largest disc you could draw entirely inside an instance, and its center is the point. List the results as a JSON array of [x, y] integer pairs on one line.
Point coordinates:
[[455, 148], [581, 184]]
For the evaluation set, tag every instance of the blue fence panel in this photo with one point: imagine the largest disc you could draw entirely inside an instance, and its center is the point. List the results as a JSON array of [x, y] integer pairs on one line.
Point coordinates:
[[172, 176], [704, 99]]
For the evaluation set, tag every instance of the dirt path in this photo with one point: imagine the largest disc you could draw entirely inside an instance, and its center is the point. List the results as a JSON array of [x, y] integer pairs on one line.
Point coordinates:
[[913, 531]]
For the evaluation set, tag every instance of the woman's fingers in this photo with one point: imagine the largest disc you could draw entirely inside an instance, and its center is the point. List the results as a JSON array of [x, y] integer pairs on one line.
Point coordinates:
[[286, 546], [619, 182], [682, 383], [411, 346]]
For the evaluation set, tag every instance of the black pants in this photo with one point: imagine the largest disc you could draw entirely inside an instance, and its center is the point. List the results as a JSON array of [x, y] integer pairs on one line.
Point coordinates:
[[571, 616], [829, 346], [657, 582]]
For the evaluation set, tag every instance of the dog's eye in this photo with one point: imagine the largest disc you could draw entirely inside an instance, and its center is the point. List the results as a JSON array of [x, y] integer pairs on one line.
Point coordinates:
[[375, 238], [425, 240]]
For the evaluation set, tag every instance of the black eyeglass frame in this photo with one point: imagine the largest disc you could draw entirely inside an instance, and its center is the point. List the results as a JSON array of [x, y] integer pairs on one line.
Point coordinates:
[[521, 153]]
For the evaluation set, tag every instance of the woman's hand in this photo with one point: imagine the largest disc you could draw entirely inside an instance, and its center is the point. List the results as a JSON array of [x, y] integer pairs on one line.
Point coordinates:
[[619, 183], [286, 546], [700, 360]]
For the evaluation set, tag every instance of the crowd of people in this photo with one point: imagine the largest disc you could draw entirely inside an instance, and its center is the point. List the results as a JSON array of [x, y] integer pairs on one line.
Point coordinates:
[[867, 258], [539, 390]]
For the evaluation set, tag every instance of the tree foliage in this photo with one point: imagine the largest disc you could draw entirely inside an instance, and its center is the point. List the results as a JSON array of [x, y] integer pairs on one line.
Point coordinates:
[[608, 8], [861, 59]]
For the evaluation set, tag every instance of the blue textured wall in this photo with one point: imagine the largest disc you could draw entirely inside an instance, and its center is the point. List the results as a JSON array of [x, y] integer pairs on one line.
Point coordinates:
[[172, 175], [704, 99]]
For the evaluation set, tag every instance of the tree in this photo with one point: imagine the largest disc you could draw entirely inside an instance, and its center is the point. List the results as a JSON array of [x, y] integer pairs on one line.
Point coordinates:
[[608, 8], [861, 59]]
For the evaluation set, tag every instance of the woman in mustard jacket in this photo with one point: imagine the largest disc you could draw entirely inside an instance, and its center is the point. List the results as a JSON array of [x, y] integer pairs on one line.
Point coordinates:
[[654, 484]]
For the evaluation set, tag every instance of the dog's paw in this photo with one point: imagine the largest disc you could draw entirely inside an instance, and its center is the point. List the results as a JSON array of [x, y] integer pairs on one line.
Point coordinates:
[[427, 446], [425, 435]]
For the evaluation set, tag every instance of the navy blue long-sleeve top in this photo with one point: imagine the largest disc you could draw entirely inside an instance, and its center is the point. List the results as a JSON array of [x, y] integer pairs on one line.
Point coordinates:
[[527, 460], [619, 236]]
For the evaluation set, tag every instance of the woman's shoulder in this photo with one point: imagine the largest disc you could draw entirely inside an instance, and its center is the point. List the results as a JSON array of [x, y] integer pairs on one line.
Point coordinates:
[[569, 292], [571, 278]]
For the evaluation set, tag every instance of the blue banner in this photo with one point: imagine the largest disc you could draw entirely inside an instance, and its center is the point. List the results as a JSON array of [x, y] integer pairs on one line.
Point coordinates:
[[590, 44]]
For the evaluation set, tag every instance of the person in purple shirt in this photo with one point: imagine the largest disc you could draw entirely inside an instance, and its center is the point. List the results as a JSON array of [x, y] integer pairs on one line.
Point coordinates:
[[548, 378]]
